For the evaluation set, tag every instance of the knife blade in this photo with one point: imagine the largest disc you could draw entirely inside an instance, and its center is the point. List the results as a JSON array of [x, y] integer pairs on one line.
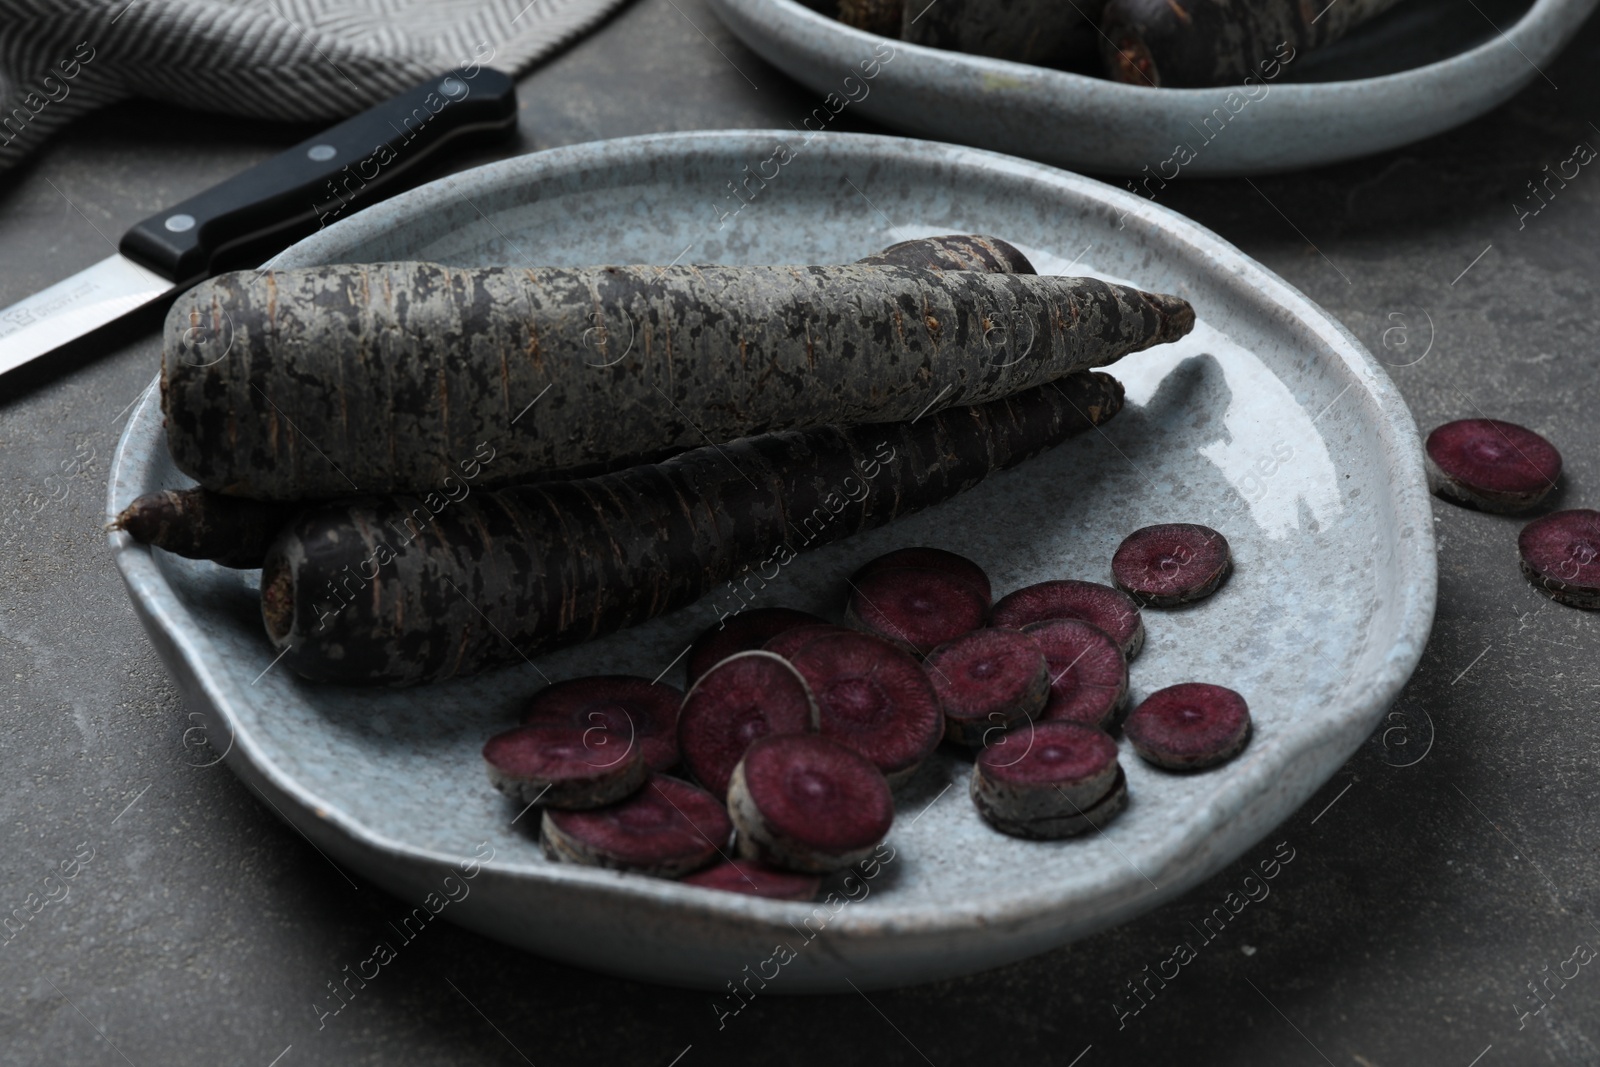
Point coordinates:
[[320, 180]]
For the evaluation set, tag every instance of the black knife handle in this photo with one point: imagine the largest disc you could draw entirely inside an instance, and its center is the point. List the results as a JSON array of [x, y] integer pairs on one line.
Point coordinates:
[[326, 177]]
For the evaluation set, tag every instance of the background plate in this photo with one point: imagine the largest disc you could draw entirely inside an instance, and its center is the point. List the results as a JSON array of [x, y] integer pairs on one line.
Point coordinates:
[[1420, 69], [1270, 422]]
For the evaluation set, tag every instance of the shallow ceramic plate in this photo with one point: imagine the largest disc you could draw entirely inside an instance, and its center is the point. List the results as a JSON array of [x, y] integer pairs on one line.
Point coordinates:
[[1270, 423], [1423, 67]]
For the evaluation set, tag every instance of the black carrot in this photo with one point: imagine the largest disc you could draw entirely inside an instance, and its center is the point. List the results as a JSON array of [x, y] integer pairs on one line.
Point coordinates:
[[875, 16], [1040, 32], [235, 531], [372, 591], [199, 524], [955, 251], [1194, 43], [383, 377]]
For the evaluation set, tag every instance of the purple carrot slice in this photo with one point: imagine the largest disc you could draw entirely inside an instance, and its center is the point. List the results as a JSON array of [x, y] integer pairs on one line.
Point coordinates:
[[1046, 769], [563, 766], [914, 608], [626, 709], [1561, 555], [789, 642], [757, 880], [745, 697], [874, 698], [745, 631], [1189, 727], [1088, 673], [1068, 824], [1043, 776], [667, 829], [1491, 465], [931, 559], [1172, 563], [804, 803], [1110, 609], [988, 681]]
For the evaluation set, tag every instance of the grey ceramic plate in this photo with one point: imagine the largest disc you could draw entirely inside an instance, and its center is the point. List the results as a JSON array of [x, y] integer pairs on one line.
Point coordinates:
[[1422, 68], [1270, 423]]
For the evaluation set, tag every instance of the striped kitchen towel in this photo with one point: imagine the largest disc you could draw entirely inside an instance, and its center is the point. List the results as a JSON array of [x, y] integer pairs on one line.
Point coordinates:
[[273, 59]]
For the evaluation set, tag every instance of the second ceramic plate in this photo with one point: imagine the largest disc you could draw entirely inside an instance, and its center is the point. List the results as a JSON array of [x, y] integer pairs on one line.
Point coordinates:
[[1269, 422], [1422, 68]]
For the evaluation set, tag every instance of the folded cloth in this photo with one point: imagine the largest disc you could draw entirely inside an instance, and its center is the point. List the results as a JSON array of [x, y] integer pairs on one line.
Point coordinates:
[[274, 59]]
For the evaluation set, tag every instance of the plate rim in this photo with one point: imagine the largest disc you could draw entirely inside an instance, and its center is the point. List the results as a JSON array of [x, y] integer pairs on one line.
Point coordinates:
[[1415, 556]]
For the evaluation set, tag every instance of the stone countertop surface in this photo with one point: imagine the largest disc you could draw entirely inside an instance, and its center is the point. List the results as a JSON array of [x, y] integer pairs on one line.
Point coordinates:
[[1452, 862]]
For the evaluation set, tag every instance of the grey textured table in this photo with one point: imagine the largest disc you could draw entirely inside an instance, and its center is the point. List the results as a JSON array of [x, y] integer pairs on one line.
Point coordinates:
[[1449, 864]]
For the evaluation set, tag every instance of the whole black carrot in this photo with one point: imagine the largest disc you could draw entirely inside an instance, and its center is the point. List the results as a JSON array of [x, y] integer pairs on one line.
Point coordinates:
[[1191, 43], [366, 592], [874, 16], [1026, 31], [379, 378], [954, 251], [199, 524], [235, 531]]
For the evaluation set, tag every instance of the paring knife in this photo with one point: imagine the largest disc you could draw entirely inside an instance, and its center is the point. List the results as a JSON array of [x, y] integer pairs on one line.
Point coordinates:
[[323, 179]]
